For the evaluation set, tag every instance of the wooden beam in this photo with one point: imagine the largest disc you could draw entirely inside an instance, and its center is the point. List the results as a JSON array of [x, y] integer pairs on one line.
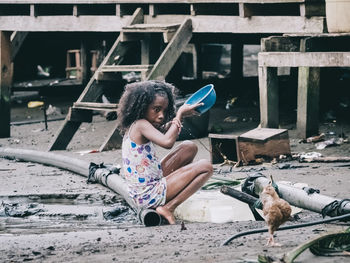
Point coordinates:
[[304, 59], [143, 1], [268, 90], [201, 23], [5, 84], [172, 51], [244, 10], [95, 106], [17, 39], [308, 101], [113, 141], [280, 44]]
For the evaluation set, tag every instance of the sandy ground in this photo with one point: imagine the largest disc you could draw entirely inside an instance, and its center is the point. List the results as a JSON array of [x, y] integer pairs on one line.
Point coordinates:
[[71, 228]]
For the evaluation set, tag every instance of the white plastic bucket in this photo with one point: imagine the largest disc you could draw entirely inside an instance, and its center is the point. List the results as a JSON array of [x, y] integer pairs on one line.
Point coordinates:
[[338, 16]]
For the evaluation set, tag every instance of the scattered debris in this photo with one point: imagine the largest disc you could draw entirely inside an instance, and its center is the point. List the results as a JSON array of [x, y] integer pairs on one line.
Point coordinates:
[[304, 157], [117, 211], [19, 210], [289, 166], [87, 151], [183, 227], [330, 142], [329, 159], [52, 110]]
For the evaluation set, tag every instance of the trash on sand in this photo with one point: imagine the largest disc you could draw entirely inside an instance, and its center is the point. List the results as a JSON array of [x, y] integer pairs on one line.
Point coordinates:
[[283, 166], [35, 104], [19, 210], [52, 110], [231, 119], [87, 151], [310, 155], [330, 142], [317, 138]]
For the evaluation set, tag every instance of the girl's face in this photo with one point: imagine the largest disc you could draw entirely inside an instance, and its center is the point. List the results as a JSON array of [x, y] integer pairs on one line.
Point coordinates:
[[157, 110]]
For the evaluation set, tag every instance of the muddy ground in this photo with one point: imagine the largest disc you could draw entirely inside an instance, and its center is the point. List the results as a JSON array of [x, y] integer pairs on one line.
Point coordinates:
[[67, 222]]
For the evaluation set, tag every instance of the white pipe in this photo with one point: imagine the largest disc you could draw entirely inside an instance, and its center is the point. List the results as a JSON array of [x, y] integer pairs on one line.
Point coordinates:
[[298, 197]]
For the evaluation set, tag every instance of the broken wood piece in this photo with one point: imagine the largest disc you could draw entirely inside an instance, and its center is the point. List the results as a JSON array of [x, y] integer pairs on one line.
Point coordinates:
[[330, 159], [263, 142]]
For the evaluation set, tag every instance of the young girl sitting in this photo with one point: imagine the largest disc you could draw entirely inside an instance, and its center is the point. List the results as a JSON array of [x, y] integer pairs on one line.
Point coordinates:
[[147, 116]]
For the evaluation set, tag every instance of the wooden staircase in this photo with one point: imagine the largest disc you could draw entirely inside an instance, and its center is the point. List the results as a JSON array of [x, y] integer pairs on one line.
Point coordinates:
[[175, 37]]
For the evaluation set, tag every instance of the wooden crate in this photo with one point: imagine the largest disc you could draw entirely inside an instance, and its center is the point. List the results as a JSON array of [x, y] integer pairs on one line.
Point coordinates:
[[263, 142]]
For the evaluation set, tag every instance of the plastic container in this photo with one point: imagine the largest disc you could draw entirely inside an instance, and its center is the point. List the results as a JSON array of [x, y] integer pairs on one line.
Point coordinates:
[[207, 95], [338, 16]]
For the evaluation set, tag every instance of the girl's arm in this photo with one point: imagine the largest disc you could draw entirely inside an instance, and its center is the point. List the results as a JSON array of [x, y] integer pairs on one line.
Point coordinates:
[[166, 140]]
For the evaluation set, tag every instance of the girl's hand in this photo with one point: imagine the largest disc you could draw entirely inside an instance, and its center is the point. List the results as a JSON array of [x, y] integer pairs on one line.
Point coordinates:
[[187, 110]]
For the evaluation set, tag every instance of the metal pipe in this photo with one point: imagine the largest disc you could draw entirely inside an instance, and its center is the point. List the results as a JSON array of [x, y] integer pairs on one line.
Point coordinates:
[[149, 217], [298, 197]]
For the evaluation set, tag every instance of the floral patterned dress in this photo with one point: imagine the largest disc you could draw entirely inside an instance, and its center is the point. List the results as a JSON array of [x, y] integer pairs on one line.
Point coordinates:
[[143, 173]]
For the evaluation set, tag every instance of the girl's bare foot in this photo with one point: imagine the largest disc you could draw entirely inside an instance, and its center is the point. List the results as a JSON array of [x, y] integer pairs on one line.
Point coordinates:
[[167, 214]]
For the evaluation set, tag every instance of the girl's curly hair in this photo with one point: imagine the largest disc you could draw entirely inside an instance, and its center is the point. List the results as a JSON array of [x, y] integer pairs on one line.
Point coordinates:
[[136, 98]]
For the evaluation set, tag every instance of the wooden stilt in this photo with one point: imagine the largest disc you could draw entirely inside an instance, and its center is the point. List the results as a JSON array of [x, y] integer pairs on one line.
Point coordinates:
[[268, 88], [308, 101], [5, 84]]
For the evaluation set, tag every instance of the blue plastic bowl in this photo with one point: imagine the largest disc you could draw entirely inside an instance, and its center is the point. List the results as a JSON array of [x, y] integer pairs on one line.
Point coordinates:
[[206, 95]]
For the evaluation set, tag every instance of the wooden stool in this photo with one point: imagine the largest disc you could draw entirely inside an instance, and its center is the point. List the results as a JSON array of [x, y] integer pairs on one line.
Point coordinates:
[[74, 68]]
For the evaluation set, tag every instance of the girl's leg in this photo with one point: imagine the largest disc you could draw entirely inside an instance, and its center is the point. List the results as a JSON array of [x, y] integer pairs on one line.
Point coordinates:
[[183, 183], [180, 156]]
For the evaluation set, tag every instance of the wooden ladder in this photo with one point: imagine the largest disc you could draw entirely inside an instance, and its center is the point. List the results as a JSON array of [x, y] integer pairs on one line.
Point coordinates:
[[175, 36]]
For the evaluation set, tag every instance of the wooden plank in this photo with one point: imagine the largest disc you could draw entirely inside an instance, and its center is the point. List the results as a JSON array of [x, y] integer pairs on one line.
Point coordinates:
[[95, 106], [5, 84], [308, 101], [304, 59], [17, 39], [65, 134], [201, 24], [223, 135], [280, 44], [125, 68], [172, 51], [113, 141], [313, 42], [150, 28], [313, 8], [135, 1], [262, 134], [244, 10], [268, 93]]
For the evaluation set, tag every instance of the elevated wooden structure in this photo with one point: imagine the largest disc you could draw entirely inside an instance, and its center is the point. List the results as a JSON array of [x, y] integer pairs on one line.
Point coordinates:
[[208, 16], [307, 52], [236, 22]]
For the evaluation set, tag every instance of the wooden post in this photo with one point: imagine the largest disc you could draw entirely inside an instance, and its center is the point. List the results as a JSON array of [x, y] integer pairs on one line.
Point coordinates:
[[5, 84], [237, 61], [308, 101], [268, 89], [83, 60]]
